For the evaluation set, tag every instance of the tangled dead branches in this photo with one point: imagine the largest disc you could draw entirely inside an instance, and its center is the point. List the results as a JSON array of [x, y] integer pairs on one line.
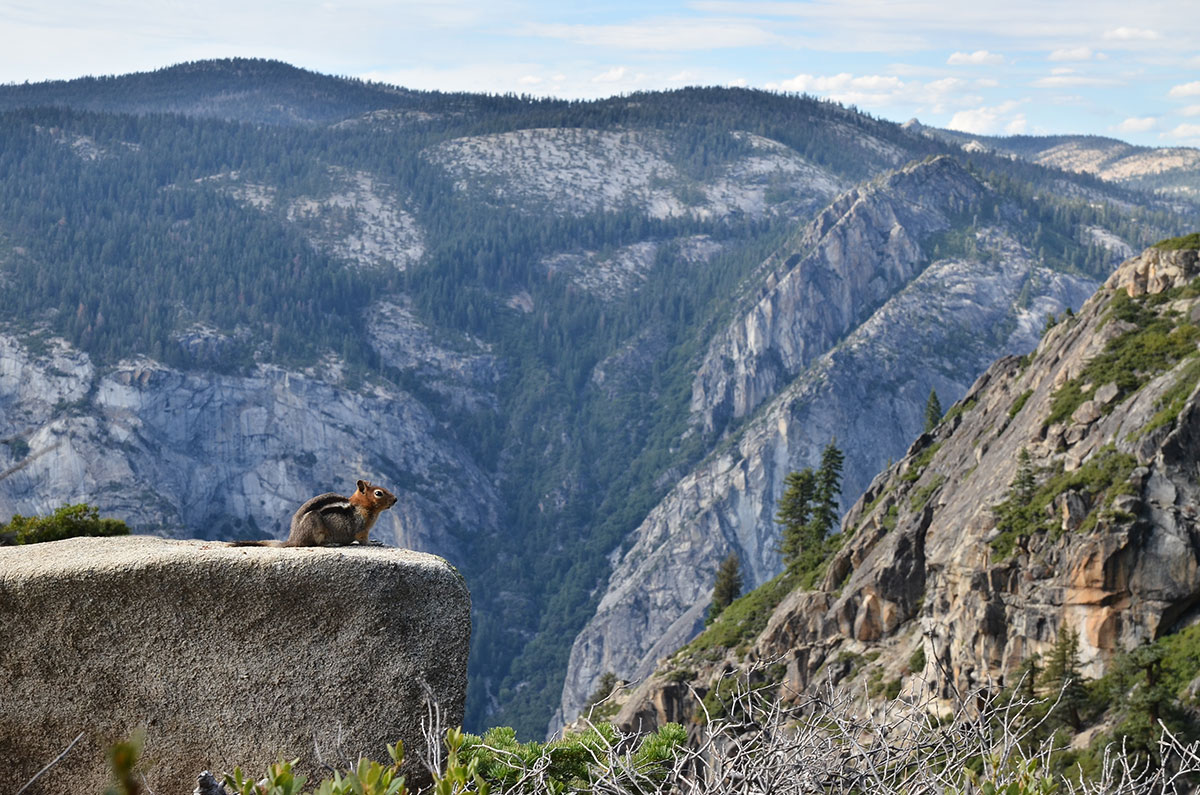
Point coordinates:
[[826, 741]]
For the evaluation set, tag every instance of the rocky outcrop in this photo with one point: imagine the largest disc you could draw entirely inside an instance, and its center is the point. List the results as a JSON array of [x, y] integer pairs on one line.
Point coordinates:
[[222, 656], [868, 393], [857, 253], [576, 171], [929, 564]]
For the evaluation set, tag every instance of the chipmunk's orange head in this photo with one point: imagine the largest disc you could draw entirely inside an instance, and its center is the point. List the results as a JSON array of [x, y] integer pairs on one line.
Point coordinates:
[[376, 495]]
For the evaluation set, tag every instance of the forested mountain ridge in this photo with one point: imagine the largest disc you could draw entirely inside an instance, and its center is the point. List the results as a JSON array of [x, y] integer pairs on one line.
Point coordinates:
[[1170, 172], [236, 89], [209, 319]]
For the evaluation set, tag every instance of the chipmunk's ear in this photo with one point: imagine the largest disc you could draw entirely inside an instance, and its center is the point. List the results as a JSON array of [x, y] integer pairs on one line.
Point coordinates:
[[362, 486]]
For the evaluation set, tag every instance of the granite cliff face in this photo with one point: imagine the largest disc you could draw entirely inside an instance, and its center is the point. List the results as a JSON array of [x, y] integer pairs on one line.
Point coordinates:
[[856, 254], [868, 392], [231, 456], [1108, 410]]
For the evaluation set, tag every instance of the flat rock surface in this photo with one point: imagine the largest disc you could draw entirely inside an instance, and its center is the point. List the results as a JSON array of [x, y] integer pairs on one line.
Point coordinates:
[[222, 655]]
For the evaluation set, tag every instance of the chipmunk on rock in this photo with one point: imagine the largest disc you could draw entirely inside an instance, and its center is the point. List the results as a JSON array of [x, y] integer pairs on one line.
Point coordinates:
[[330, 519]]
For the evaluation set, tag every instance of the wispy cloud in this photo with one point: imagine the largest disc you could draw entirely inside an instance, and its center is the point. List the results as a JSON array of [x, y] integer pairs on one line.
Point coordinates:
[[1082, 53], [1131, 34], [1073, 81], [676, 35], [977, 58], [1137, 125], [885, 91]]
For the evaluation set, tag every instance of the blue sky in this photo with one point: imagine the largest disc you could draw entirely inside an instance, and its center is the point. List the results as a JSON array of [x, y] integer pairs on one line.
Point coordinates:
[[1125, 69]]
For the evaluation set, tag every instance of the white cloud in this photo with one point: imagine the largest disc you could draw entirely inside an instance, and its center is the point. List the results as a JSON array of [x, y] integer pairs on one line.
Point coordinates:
[[1185, 131], [1135, 124], [876, 91], [482, 77], [614, 75], [1072, 54], [1131, 34], [661, 35], [529, 80], [988, 120], [738, 82], [1186, 90], [977, 58], [1070, 80], [1191, 110], [840, 83], [685, 76]]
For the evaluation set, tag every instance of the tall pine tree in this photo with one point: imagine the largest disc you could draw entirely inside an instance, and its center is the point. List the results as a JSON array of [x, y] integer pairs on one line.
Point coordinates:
[[808, 509], [829, 488], [933, 411], [795, 513], [728, 586], [1062, 680]]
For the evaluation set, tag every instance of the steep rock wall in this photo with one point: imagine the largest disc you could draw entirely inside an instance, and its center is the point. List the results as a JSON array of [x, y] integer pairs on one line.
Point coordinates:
[[853, 257], [868, 393], [929, 564]]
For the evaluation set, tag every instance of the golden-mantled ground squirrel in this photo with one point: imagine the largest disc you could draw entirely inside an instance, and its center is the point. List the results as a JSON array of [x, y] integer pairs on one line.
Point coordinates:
[[331, 519]]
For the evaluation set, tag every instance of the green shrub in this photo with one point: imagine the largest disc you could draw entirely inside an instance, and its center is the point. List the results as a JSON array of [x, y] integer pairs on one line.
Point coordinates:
[[921, 496], [1179, 243], [68, 521], [571, 764], [922, 459], [1100, 480], [747, 615], [1172, 401], [1019, 403], [916, 662], [1131, 359], [367, 777], [959, 408]]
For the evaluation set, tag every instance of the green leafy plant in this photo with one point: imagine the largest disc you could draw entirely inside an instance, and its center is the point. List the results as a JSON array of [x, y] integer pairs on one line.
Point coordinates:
[[280, 779], [366, 777]]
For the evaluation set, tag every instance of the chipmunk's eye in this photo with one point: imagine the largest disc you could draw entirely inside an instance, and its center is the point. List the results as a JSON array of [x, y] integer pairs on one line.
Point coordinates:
[[378, 493]]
